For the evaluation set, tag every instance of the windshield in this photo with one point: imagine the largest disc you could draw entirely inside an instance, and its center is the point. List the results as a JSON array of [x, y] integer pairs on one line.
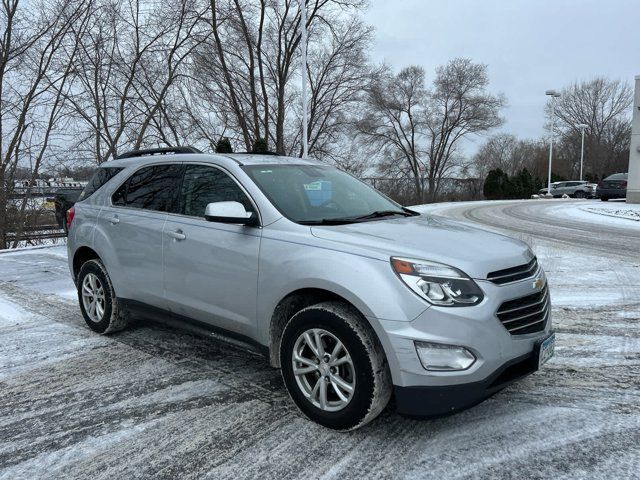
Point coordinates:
[[311, 194]]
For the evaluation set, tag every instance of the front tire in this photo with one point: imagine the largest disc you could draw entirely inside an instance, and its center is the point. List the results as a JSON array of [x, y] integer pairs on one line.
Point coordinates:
[[98, 301], [334, 366]]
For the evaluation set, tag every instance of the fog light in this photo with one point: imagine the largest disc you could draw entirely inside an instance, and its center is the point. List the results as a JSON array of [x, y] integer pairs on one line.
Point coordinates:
[[437, 357]]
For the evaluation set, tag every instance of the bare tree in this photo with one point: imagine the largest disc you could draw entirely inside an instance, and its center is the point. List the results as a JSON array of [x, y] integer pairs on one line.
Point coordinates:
[[133, 59], [511, 155], [252, 62], [603, 105], [38, 47], [395, 122], [418, 130], [459, 106]]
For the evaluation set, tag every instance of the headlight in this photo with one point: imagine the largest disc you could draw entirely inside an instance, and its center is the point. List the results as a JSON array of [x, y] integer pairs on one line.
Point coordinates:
[[437, 283]]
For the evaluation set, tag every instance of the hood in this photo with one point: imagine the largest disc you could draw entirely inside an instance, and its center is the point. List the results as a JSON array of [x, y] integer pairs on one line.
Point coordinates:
[[473, 250]]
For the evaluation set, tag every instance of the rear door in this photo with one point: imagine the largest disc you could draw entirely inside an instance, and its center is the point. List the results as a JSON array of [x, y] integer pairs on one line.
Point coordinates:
[[211, 269], [134, 223]]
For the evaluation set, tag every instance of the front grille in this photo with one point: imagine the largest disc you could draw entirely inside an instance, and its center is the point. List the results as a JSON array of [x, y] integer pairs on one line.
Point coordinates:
[[513, 274], [525, 314]]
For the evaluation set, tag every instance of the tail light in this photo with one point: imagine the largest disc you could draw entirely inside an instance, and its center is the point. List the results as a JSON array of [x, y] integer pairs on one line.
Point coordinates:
[[624, 184], [600, 184], [70, 214]]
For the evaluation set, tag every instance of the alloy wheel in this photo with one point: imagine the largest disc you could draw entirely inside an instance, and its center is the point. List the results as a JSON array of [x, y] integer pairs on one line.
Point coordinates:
[[323, 370], [93, 298]]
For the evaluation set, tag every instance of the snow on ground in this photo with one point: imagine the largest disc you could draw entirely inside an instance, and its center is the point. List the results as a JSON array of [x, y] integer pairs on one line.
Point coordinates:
[[157, 402], [614, 213]]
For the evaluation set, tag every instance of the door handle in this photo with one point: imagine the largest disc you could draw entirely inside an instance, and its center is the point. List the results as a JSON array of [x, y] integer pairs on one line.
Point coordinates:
[[176, 234], [114, 220]]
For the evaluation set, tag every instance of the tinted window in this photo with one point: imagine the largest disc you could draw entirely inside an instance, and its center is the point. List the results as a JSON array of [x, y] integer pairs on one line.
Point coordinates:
[[618, 176], [202, 185], [151, 188], [102, 176]]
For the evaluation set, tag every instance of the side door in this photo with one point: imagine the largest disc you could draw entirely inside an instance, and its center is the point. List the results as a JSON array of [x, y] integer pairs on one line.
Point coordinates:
[[557, 189], [211, 268], [571, 188], [132, 223]]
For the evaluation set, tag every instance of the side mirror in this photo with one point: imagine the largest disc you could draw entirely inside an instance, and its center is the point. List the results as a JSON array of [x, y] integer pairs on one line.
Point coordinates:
[[229, 212]]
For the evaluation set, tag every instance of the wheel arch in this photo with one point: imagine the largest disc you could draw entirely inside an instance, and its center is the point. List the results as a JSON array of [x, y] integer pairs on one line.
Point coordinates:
[[82, 255], [291, 304]]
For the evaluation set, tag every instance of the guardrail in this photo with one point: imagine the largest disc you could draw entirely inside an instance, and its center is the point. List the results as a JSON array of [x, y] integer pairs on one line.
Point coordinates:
[[33, 233]]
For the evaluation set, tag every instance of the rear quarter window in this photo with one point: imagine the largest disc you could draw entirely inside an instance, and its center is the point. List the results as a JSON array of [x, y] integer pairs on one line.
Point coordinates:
[[102, 176]]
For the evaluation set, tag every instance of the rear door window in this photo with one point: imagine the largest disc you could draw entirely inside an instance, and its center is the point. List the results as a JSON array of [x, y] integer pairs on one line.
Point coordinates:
[[102, 176], [151, 188]]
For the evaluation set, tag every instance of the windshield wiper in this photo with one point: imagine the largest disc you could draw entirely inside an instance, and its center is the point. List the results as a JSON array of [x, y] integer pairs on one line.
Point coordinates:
[[327, 221], [361, 218], [384, 213]]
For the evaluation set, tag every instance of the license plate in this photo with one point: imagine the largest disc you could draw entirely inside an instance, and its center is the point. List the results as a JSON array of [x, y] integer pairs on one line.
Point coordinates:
[[546, 350]]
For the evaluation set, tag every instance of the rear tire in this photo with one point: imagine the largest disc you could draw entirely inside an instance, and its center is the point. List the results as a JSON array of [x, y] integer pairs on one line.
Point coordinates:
[[321, 390], [580, 194], [604, 199], [98, 301]]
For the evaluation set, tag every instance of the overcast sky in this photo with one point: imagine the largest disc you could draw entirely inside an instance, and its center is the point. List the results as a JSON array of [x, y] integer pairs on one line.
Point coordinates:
[[529, 45]]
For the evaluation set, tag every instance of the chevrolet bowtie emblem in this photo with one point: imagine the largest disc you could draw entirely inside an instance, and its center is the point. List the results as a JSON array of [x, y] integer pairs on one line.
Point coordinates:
[[537, 284]]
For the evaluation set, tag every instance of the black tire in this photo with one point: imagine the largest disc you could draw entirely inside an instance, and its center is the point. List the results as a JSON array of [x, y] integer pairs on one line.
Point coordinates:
[[580, 194], [114, 317], [373, 385], [604, 199]]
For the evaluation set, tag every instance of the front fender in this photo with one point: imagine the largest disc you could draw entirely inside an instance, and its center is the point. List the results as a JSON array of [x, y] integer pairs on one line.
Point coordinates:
[[369, 284]]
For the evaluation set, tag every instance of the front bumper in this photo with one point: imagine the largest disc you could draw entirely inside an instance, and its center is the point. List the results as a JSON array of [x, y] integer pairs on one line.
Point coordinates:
[[438, 401]]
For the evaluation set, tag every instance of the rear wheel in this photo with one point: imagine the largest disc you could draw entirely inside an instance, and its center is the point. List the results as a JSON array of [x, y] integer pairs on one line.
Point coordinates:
[[604, 199], [98, 302], [334, 367], [580, 194]]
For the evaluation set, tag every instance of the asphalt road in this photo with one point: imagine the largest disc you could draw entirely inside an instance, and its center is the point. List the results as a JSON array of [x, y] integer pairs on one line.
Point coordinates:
[[158, 402], [539, 219]]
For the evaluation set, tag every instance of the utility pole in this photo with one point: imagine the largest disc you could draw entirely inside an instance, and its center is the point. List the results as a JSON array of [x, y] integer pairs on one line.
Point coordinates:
[[553, 94], [303, 46], [582, 127]]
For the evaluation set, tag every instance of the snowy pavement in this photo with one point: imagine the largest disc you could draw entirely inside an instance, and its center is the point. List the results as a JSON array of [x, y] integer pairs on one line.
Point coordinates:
[[618, 212], [154, 401]]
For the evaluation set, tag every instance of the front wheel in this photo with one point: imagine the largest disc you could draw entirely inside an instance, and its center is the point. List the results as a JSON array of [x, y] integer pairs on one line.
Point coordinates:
[[98, 301], [334, 367]]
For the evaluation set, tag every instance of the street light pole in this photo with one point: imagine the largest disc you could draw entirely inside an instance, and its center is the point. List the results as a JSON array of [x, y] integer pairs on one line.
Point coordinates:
[[582, 127], [303, 46], [553, 94]]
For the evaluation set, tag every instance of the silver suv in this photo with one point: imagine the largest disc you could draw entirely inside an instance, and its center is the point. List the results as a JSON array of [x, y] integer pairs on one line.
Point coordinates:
[[576, 189], [352, 296]]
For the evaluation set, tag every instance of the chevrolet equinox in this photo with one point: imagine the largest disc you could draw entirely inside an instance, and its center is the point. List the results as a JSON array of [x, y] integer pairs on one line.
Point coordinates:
[[354, 297]]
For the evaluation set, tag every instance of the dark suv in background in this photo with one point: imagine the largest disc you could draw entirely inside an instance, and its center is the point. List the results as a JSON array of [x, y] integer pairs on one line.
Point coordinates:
[[64, 199], [614, 186]]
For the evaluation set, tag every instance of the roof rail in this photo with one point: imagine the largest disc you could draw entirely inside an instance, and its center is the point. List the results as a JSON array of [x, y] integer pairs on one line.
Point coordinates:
[[158, 151], [268, 152]]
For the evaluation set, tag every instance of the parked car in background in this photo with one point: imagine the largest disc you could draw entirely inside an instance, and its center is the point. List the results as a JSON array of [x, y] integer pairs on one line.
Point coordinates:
[[573, 188], [353, 296], [614, 186], [64, 199]]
